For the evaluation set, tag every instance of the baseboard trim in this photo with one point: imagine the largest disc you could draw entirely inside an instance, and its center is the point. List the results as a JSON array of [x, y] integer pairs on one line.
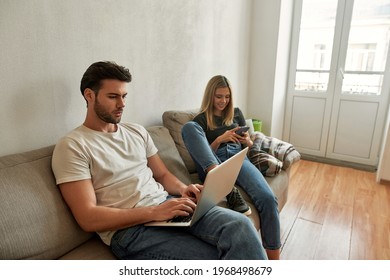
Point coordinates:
[[384, 182], [364, 167]]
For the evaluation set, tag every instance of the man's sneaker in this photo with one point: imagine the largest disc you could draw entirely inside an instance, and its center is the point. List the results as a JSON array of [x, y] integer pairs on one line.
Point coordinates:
[[237, 203]]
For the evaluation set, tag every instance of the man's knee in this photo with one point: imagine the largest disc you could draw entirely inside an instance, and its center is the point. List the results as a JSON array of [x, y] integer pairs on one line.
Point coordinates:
[[238, 221]]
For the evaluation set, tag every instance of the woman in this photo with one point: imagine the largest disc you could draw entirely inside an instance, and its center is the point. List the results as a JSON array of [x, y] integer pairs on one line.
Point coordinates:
[[211, 138]]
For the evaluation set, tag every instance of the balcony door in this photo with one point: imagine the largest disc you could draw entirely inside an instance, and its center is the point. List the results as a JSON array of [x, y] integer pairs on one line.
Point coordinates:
[[338, 91]]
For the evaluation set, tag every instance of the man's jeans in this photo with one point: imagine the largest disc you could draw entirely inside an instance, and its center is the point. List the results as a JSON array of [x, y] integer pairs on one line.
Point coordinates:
[[220, 234], [249, 178]]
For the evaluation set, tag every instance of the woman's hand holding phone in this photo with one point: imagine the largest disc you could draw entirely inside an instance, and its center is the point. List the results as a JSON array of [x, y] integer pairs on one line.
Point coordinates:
[[242, 130]]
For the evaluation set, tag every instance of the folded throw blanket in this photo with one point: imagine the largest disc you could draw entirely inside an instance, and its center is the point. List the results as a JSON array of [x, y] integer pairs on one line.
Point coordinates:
[[267, 164], [270, 155]]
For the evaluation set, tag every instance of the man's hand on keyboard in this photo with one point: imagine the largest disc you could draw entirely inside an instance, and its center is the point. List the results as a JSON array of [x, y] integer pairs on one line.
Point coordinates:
[[193, 192], [181, 206]]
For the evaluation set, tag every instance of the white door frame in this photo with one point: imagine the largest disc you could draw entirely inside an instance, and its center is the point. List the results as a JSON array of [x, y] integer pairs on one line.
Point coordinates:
[[330, 103]]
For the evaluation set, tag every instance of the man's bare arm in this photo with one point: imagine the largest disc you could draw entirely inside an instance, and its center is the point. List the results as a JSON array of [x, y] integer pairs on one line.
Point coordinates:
[[81, 199]]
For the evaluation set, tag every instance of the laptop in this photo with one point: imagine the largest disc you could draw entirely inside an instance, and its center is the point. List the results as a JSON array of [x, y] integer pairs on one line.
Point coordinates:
[[218, 184]]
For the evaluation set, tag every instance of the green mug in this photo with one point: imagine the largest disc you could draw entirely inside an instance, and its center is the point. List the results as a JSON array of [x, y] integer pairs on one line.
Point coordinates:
[[257, 125]]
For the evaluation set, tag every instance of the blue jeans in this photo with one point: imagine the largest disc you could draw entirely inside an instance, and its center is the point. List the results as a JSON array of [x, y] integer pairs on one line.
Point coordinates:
[[249, 178], [219, 234]]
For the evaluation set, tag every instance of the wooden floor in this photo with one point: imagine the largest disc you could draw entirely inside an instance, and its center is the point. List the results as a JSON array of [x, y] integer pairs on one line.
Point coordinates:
[[335, 213]]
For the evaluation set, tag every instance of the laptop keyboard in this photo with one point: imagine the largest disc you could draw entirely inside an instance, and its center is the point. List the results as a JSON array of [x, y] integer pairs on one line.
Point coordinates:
[[180, 219]]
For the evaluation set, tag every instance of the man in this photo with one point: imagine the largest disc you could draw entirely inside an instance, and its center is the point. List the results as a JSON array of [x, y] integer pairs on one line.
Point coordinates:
[[113, 180]]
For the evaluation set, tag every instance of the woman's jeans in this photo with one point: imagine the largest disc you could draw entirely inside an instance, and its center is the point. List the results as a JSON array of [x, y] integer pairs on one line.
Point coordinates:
[[249, 178], [219, 234]]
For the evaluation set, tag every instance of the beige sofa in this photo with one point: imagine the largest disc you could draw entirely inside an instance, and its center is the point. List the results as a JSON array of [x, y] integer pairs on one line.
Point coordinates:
[[35, 223]]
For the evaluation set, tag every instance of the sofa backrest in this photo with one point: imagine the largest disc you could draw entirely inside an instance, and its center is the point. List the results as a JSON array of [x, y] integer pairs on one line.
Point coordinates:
[[174, 121], [168, 152], [35, 223]]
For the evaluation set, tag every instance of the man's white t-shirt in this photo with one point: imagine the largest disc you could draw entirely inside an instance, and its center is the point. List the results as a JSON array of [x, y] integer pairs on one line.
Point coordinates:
[[115, 162]]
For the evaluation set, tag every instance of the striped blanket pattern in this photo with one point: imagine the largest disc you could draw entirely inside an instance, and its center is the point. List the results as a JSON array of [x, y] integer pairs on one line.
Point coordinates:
[[270, 155]]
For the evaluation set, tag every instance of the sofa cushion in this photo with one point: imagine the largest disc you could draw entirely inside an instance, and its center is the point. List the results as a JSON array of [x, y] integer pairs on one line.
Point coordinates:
[[93, 249], [168, 152], [279, 186], [35, 221], [174, 121]]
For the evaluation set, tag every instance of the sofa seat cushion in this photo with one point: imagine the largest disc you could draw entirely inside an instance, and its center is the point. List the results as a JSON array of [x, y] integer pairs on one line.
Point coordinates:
[[279, 186], [93, 249]]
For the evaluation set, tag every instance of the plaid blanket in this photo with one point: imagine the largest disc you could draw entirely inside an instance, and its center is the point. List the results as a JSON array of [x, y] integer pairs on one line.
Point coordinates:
[[270, 155]]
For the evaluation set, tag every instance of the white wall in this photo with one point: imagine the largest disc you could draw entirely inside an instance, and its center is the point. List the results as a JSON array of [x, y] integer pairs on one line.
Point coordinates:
[[384, 157], [281, 70], [172, 48], [269, 53], [265, 22]]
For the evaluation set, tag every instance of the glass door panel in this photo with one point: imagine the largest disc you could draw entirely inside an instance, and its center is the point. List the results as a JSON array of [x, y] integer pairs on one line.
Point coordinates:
[[315, 45], [368, 45]]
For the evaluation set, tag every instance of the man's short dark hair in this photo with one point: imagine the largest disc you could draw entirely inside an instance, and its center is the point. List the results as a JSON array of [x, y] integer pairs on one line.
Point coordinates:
[[103, 70]]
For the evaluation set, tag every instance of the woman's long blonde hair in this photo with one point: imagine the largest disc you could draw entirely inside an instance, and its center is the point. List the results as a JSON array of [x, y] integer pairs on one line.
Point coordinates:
[[207, 106]]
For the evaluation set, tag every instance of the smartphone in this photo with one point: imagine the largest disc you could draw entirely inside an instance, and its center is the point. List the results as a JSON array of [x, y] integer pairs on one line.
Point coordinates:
[[242, 129]]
